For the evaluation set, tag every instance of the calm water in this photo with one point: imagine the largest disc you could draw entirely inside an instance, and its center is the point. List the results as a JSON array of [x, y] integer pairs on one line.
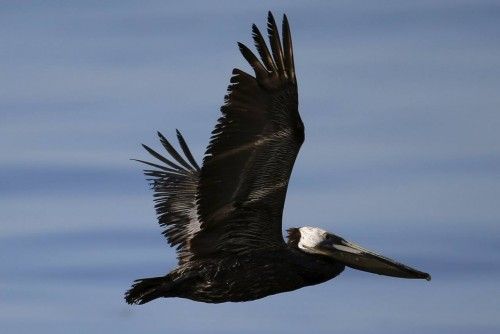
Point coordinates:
[[402, 155]]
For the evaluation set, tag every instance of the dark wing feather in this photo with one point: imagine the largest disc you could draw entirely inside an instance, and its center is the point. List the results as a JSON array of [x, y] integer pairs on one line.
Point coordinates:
[[248, 162], [288, 50], [274, 40], [175, 189], [261, 47]]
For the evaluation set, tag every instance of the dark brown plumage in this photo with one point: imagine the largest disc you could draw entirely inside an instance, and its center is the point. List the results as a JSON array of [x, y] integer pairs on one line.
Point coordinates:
[[225, 219]]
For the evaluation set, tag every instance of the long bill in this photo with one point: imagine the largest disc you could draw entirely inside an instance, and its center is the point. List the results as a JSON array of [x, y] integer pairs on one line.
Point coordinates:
[[357, 257]]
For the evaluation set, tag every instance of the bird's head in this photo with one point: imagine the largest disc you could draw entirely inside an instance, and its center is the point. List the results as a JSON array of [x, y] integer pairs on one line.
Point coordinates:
[[316, 241]]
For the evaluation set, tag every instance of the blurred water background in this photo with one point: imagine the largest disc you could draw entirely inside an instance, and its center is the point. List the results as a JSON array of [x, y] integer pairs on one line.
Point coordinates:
[[401, 105]]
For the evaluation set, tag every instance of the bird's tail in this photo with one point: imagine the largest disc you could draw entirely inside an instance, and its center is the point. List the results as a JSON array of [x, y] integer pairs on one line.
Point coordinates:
[[146, 289]]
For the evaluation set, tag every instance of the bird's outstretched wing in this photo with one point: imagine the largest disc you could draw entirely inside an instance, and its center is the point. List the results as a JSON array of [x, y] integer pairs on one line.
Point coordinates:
[[175, 186], [247, 165]]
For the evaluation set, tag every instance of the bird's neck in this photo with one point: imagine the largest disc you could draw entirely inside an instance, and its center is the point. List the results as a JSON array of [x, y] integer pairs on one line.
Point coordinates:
[[315, 269]]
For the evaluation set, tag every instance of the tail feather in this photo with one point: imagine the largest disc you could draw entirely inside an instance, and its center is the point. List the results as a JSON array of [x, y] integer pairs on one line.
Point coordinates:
[[146, 289]]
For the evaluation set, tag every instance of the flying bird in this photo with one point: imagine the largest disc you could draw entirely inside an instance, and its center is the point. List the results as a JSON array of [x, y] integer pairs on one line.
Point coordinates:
[[225, 218]]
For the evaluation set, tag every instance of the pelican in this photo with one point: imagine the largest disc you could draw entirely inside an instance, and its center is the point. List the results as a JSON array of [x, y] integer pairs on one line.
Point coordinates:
[[225, 218]]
